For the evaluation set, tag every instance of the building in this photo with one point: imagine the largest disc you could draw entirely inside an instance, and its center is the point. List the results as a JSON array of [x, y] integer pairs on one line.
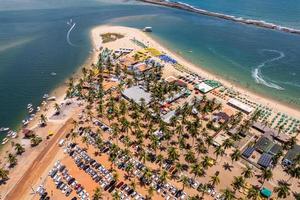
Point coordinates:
[[240, 105], [136, 93], [291, 155], [167, 117], [270, 132]]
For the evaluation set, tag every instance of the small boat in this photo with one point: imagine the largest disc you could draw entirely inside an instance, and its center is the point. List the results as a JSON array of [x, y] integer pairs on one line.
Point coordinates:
[[4, 129], [25, 122], [51, 98], [9, 134], [5, 140], [30, 110], [29, 106], [14, 135], [147, 29], [53, 74], [45, 96]]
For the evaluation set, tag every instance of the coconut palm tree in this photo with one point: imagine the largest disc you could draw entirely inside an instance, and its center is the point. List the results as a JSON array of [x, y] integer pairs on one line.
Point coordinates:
[[184, 180], [247, 172], [150, 192], [197, 170], [4, 174], [215, 180], [163, 176], [228, 143], [219, 151], [253, 193], [35, 140], [283, 189], [97, 194], [19, 149], [266, 174], [57, 109], [228, 194], [190, 157], [172, 154], [238, 182], [12, 160], [43, 120], [236, 155], [116, 195]]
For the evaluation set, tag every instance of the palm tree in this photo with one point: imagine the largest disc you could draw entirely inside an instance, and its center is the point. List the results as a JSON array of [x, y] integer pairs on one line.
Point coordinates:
[[219, 151], [12, 159], [163, 176], [184, 180], [85, 140], [247, 172], [228, 143], [97, 194], [150, 192], [116, 196], [283, 189], [266, 174], [43, 120], [57, 109], [172, 154], [238, 182], [253, 193], [228, 194], [19, 149], [215, 180], [35, 140], [4, 174], [235, 156], [197, 170], [190, 156]]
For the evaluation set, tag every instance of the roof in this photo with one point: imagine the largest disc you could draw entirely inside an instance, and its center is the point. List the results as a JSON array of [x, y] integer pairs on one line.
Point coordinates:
[[276, 148], [167, 117], [248, 152], [292, 153], [270, 132], [264, 144], [265, 160], [240, 105], [266, 192], [203, 87], [136, 93], [222, 115]]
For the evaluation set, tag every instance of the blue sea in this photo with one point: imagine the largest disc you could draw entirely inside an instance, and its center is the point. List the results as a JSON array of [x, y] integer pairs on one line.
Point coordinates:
[[34, 43]]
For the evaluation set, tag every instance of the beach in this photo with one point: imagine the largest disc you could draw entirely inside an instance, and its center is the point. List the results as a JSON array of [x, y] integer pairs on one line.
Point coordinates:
[[277, 106], [48, 149]]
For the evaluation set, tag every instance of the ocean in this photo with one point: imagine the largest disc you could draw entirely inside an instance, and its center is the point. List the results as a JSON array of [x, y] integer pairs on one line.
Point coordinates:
[[36, 40]]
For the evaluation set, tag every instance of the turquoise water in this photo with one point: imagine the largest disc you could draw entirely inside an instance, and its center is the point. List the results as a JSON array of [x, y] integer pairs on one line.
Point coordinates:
[[285, 13], [33, 44]]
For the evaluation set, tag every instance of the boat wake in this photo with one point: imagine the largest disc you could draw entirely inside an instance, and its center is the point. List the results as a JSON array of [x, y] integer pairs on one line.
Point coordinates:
[[259, 77], [72, 24]]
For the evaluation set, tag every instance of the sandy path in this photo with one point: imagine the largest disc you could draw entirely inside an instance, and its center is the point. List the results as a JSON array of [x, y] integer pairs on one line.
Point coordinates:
[[33, 173]]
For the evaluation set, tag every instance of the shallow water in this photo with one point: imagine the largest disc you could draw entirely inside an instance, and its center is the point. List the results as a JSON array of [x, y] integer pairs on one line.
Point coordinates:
[[34, 43]]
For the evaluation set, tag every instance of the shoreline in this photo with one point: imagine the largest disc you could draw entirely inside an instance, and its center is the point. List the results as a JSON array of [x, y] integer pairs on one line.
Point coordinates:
[[261, 99], [236, 85]]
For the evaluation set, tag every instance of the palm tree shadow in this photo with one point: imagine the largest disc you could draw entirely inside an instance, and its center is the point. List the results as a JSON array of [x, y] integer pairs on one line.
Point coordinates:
[[227, 166]]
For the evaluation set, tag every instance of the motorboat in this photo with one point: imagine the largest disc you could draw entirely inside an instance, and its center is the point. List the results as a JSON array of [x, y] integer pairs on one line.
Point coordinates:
[[4, 141], [3, 129], [53, 98], [147, 29]]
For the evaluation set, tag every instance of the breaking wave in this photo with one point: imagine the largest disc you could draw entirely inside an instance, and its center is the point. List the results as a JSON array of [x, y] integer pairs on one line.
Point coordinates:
[[259, 77]]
